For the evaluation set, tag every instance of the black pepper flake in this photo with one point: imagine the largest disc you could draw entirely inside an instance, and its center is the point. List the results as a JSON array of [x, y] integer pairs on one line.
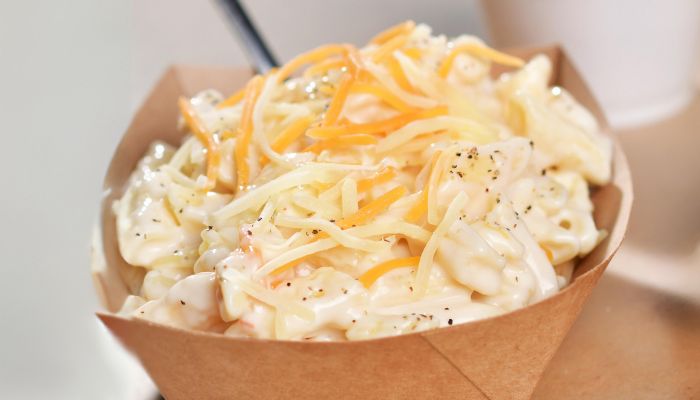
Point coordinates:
[[447, 308], [332, 220], [249, 232], [155, 220], [315, 231], [532, 144], [180, 211], [544, 172], [353, 321], [486, 190], [259, 219], [498, 200], [470, 156], [493, 178], [183, 302], [529, 207], [303, 299], [461, 175], [454, 165], [516, 278], [515, 226], [458, 154], [138, 234], [449, 321], [491, 157], [410, 288], [209, 227], [289, 284]]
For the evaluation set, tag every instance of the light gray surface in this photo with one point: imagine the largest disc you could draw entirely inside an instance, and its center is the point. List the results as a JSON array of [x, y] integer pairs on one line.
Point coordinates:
[[71, 74], [63, 103]]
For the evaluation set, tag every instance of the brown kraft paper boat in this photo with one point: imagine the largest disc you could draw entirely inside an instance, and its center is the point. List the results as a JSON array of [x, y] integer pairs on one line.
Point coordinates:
[[495, 358]]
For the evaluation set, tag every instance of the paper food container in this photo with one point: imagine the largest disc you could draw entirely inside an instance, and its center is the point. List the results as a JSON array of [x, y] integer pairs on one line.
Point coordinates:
[[495, 358]]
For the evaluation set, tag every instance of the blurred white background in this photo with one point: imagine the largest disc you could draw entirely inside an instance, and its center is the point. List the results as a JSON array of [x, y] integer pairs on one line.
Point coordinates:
[[70, 77]]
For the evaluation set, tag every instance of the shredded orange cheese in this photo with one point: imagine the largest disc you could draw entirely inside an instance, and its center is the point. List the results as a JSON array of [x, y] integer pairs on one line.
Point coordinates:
[[288, 265], [413, 52], [399, 76], [324, 66], [207, 140], [342, 142], [384, 176], [374, 273], [387, 48], [383, 126], [338, 101], [228, 134], [310, 57], [290, 134], [548, 253], [232, 100], [383, 93], [421, 206], [354, 67], [478, 51], [373, 208], [396, 30], [245, 131]]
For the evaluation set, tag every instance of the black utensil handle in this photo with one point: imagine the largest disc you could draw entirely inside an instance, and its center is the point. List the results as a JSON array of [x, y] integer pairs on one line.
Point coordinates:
[[258, 52]]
